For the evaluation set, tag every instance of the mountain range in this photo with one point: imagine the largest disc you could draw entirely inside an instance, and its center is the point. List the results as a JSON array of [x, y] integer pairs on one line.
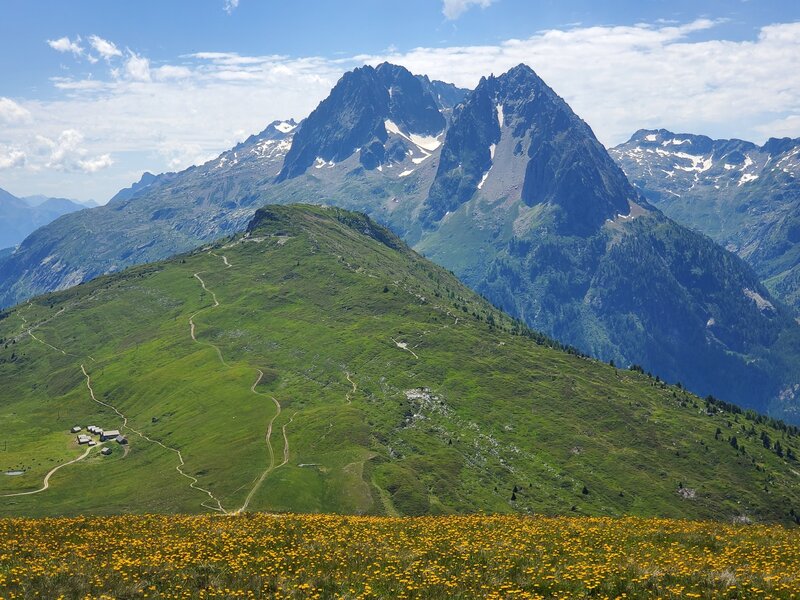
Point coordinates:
[[746, 197], [21, 216], [503, 185], [315, 363]]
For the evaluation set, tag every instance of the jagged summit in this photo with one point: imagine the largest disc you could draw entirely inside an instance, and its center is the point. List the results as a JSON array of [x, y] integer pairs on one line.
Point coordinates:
[[124, 194], [276, 129], [365, 106], [544, 143]]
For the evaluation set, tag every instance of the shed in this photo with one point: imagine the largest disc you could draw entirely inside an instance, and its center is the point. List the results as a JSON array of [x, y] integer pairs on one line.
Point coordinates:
[[84, 439], [121, 439], [76, 429], [105, 451], [109, 435]]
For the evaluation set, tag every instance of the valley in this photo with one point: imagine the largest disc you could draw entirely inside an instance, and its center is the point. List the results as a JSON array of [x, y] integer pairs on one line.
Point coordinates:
[[742, 195]]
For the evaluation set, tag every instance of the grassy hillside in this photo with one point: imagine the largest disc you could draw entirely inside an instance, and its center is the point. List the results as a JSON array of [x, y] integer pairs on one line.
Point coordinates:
[[641, 290], [334, 370]]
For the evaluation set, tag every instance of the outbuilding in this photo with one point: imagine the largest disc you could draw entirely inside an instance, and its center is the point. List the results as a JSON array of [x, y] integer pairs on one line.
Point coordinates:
[[76, 429], [121, 439], [109, 435], [105, 451], [84, 439]]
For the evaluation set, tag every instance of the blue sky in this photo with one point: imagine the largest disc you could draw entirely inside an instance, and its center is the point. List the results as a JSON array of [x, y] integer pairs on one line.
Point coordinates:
[[94, 92]]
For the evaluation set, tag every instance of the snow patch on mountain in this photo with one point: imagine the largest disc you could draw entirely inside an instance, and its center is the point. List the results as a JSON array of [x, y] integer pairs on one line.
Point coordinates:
[[426, 142], [319, 163], [285, 127], [392, 127], [746, 178], [700, 164]]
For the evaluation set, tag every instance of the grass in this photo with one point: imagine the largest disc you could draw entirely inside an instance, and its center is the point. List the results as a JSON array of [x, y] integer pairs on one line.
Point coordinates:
[[327, 556], [308, 300]]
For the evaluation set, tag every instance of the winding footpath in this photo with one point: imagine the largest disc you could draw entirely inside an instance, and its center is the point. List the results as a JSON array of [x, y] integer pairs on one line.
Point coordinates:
[[268, 436], [271, 467], [212, 503], [29, 330], [46, 483], [349, 395], [192, 325], [285, 441], [193, 480], [223, 257], [404, 346]]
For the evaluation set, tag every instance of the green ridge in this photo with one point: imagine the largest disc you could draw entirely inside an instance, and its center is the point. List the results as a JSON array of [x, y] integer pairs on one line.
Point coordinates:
[[317, 300]]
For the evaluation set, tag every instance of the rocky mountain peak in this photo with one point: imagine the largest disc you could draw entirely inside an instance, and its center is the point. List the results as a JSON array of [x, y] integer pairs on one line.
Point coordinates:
[[353, 119], [562, 163]]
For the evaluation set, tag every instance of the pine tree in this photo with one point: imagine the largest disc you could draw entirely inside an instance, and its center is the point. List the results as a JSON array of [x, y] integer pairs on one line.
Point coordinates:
[[778, 449]]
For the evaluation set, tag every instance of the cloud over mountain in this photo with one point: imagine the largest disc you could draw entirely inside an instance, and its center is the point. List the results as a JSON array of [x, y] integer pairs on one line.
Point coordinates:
[[620, 78]]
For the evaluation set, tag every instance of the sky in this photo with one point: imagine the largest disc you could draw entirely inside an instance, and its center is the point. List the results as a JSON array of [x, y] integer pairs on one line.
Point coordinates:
[[94, 93]]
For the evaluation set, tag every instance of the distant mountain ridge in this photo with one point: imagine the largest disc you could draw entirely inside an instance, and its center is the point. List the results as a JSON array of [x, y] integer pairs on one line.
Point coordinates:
[[509, 189], [746, 197], [39, 199], [21, 216]]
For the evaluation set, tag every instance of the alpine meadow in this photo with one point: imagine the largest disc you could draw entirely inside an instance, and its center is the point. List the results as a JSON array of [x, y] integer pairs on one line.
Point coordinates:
[[423, 335]]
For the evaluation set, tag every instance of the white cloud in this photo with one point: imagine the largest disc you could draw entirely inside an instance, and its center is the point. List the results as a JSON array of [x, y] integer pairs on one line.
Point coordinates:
[[104, 48], [452, 9], [163, 116], [85, 85], [137, 68], [622, 78], [64, 44], [172, 72], [11, 112], [67, 153], [11, 157], [231, 5], [92, 165]]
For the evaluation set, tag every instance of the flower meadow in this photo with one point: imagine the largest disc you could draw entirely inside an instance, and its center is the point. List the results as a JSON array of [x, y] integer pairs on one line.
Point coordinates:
[[328, 556]]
